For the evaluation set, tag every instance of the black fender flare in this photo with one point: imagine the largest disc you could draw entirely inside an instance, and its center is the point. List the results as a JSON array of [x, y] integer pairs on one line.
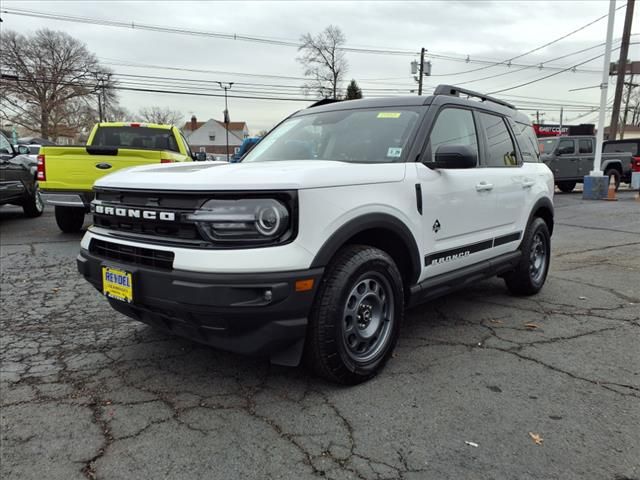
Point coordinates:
[[366, 222], [543, 202]]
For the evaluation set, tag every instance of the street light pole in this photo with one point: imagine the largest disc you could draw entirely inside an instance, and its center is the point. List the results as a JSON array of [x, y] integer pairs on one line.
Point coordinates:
[[226, 87]]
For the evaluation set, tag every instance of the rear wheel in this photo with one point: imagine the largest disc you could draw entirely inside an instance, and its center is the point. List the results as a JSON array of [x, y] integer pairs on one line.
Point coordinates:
[[530, 274], [70, 219], [566, 186], [34, 205], [615, 174], [355, 321]]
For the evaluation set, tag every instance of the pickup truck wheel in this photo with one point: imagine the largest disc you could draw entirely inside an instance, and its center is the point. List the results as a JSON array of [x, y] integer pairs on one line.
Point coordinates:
[[69, 219], [530, 274], [566, 186], [34, 205], [615, 173], [355, 322]]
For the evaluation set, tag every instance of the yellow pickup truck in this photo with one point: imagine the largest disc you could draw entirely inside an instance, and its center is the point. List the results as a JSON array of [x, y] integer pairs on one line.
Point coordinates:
[[66, 173]]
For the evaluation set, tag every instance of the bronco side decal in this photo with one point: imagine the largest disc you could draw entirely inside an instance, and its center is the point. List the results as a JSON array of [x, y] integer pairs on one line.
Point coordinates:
[[465, 251]]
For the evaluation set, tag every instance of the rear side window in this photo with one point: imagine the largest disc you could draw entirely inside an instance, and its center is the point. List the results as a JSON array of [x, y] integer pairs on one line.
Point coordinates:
[[135, 137], [454, 126], [622, 147], [501, 151], [527, 141], [585, 145]]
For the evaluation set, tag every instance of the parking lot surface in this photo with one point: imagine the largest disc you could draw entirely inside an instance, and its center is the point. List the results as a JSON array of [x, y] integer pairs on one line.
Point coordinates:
[[483, 385]]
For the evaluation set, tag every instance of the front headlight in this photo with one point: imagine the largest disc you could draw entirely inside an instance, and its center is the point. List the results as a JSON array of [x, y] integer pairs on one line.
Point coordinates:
[[254, 221]]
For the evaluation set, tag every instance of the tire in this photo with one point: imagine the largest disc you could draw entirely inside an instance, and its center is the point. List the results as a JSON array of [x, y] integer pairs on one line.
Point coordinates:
[[70, 219], [566, 186], [34, 205], [530, 274], [615, 173], [356, 317]]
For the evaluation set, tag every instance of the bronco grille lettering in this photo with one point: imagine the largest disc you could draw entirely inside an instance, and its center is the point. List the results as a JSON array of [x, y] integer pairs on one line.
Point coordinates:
[[134, 213]]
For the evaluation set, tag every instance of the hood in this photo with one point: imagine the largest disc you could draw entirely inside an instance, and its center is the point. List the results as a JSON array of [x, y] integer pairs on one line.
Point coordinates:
[[280, 175]]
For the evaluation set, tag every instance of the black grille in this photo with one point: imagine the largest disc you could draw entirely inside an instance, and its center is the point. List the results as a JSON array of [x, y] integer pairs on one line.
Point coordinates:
[[134, 255]]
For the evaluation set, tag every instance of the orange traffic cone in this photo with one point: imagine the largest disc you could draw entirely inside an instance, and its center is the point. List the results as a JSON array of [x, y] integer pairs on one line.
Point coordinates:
[[611, 193]]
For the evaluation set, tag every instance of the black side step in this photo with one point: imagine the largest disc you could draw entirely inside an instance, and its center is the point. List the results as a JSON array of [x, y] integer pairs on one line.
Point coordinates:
[[439, 285]]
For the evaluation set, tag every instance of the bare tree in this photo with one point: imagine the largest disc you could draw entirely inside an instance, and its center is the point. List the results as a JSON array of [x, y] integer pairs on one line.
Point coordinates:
[[161, 115], [323, 60], [46, 78]]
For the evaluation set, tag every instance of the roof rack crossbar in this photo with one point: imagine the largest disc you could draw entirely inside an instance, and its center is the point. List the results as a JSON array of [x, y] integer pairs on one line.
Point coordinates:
[[456, 91]]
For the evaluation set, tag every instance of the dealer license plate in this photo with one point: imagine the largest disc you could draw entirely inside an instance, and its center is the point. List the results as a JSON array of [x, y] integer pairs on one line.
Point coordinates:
[[117, 284]]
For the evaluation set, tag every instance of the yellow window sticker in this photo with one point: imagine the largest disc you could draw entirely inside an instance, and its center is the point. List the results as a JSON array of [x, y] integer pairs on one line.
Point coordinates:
[[389, 115]]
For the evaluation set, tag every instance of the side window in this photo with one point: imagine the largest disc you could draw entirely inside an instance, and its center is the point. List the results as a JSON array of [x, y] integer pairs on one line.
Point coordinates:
[[501, 152], [566, 147], [454, 126], [585, 145], [527, 141]]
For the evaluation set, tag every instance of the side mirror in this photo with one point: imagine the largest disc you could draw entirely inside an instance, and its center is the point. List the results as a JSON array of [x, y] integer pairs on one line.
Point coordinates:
[[201, 156], [455, 156], [23, 150]]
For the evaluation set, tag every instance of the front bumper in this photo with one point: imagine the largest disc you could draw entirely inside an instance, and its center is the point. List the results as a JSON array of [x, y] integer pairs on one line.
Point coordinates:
[[232, 312]]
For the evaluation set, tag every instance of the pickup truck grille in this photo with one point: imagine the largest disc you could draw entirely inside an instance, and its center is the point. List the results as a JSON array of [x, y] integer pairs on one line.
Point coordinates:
[[155, 216], [133, 255]]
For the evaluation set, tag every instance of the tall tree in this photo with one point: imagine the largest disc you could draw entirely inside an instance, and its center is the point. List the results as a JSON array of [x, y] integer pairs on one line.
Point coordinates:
[[353, 91], [161, 115], [46, 76], [323, 60]]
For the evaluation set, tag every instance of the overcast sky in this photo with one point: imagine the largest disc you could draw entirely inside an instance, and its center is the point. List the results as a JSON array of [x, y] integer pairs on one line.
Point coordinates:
[[482, 30]]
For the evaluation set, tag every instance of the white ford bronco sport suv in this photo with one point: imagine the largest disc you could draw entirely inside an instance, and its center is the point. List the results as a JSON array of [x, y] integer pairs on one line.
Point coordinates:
[[340, 218]]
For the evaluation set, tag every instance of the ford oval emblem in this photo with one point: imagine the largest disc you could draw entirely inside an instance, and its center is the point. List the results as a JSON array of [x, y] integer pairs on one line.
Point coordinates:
[[103, 166]]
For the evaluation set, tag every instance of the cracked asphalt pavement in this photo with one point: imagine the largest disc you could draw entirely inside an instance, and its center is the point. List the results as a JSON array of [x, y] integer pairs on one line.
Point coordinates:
[[477, 376]]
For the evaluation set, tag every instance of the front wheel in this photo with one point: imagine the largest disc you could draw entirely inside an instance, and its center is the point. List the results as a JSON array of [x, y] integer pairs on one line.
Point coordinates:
[[70, 219], [34, 205], [530, 274], [355, 322], [566, 186]]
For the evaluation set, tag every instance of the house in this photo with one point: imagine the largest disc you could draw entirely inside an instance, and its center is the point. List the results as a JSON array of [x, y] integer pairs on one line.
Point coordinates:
[[211, 136], [630, 131]]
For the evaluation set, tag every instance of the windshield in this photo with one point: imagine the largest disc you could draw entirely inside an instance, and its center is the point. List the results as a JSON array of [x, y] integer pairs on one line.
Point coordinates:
[[547, 146], [358, 136], [135, 137]]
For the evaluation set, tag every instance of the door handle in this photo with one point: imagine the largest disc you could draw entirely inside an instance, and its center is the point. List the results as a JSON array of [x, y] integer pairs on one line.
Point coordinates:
[[528, 183], [484, 187]]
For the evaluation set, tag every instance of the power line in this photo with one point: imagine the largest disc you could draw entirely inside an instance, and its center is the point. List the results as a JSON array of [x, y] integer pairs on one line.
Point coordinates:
[[185, 31], [508, 62], [548, 76]]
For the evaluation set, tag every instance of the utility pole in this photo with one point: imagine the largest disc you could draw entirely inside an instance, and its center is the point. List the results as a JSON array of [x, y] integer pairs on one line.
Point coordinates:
[[421, 72], [226, 87], [560, 132], [604, 86], [626, 106], [622, 68]]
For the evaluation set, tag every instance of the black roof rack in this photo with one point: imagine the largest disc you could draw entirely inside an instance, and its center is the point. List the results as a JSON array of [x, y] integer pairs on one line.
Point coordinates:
[[456, 91]]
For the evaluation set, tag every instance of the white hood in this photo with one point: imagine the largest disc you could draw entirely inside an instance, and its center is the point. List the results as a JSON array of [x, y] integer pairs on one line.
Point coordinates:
[[280, 175]]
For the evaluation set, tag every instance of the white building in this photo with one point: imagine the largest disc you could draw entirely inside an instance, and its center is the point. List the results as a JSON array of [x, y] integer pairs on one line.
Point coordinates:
[[211, 136]]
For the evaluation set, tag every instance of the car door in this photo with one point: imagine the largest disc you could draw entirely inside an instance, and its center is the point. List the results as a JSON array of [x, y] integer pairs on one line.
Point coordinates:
[[501, 165], [585, 156], [565, 163], [459, 205]]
